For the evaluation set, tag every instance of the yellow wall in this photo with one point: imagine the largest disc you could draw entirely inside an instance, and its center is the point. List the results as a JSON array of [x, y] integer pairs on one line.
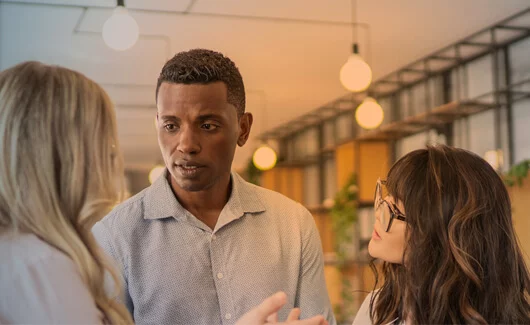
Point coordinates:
[[373, 163], [345, 162], [521, 215], [286, 180]]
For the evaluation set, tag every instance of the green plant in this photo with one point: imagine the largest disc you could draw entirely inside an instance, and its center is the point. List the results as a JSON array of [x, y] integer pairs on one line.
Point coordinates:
[[517, 173], [343, 217]]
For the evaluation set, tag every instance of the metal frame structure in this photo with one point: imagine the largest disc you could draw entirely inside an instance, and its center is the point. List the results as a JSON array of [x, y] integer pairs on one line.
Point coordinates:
[[494, 40], [453, 101]]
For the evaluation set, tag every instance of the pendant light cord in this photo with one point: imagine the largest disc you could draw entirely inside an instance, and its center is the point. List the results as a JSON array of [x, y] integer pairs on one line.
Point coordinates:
[[355, 35]]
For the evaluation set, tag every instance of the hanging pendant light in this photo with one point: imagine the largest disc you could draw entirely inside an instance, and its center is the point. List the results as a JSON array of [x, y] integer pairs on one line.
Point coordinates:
[[355, 74], [369, 114], [120, 31], [264, 158]]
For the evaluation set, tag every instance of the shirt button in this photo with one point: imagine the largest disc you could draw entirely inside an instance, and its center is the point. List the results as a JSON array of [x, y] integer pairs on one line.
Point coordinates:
[[214, 237], [220, 276], [228, 316]]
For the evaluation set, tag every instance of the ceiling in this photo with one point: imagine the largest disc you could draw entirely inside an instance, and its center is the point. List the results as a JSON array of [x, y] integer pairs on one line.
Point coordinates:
[[289, 52]]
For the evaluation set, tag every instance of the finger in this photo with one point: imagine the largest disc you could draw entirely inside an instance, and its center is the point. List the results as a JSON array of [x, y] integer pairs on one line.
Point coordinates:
[[269, 306], [294, 314], [315, 320], [272, 318]]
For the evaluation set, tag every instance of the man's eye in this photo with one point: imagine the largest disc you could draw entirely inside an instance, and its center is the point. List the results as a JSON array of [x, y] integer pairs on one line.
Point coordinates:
[[208, 126], [170, 127]]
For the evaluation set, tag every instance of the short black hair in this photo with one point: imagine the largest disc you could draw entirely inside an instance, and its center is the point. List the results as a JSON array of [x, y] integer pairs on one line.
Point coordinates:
[[201, 66]]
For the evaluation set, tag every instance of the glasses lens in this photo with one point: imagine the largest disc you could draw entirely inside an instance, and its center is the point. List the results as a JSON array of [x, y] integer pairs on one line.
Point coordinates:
[[385, 215], [377, 196]]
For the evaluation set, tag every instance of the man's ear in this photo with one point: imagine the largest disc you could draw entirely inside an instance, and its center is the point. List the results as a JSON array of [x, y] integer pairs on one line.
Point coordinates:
[[245, 123]]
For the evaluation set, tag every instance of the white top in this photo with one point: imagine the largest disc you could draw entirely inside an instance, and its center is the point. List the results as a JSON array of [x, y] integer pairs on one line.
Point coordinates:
[[41, 285], [363, 314]]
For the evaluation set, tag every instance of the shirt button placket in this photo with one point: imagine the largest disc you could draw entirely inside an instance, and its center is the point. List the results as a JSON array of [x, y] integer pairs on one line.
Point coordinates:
[[221, 284]]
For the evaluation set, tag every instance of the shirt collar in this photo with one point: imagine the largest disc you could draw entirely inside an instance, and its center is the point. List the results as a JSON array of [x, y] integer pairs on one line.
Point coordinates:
[[160, 202]]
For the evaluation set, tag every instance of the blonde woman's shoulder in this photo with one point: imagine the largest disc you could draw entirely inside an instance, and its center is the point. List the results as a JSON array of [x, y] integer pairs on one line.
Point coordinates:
[[40, 284]]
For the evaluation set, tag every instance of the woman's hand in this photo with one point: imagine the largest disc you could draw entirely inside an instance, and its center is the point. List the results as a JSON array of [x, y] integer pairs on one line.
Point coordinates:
[[267, 313]]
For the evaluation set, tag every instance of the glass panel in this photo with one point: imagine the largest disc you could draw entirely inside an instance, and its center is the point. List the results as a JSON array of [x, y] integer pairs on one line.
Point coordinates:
[[410, 143], [344, 126], [480, 76], [482, 132], [386, 104], [311, 141], [418, 99], [519, 60], [311, 186], [329, 133], [404, 104], [330, 178], [521, 132]]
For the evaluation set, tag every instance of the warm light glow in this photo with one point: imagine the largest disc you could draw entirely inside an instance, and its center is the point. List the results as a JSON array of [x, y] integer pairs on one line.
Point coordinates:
[[120, 31], [355, 74], [494, 158], [264, 158], [369, 114], [155, 173]]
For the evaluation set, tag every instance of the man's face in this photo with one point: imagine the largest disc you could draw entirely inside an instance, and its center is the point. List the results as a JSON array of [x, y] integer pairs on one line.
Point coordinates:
[[197, 132]]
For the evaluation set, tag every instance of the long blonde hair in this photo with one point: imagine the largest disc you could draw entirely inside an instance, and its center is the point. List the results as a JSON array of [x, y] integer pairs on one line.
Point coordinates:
[[60, 170]]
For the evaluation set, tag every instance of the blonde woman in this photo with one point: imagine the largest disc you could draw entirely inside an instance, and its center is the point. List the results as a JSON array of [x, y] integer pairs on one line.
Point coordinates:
[[59, 173]]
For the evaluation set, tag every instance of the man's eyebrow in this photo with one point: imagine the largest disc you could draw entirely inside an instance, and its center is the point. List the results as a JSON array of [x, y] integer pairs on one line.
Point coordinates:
[[210, 116], [169, 117]]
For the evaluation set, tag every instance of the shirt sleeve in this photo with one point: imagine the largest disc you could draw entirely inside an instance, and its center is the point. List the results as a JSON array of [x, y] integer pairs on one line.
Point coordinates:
[[104, 239], [312, 294], [48, 291]]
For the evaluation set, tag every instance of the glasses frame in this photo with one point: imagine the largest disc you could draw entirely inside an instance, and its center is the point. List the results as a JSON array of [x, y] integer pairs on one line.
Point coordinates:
[[394, 210]]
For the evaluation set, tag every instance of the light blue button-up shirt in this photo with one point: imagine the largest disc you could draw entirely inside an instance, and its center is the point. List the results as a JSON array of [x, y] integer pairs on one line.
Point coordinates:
[[176, 270]]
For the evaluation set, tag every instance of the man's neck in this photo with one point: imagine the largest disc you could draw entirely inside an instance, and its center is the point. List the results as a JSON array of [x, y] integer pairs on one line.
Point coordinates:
[[205, 205]]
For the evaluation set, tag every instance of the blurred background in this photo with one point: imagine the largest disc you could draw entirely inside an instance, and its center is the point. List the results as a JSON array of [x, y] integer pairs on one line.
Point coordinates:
[[339, 91]]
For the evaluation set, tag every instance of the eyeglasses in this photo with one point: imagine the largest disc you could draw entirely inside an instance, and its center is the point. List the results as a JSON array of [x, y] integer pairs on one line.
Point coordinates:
[[386, 213]]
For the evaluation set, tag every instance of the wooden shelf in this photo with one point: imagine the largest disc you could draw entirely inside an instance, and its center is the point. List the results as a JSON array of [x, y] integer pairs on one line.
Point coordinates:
[[322, 209], [421, 122]]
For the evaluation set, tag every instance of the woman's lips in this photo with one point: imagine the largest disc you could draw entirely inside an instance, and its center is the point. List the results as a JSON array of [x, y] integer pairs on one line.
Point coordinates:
[[375, 235]]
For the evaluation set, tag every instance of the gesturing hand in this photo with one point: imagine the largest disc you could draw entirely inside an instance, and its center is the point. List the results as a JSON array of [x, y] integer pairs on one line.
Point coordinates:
[[267, 313]]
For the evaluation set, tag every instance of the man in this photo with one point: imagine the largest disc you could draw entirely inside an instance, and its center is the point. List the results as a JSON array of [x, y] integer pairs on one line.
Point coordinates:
[[201, 245]]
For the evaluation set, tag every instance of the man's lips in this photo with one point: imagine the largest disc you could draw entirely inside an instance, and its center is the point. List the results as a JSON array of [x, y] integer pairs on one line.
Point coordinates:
[[188, 164]]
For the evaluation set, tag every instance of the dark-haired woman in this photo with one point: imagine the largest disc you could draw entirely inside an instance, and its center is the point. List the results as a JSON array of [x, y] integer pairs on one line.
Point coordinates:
[[449, 252]]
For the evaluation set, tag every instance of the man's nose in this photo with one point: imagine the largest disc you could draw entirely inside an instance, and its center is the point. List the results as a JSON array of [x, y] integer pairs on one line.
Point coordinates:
[[188, 141]]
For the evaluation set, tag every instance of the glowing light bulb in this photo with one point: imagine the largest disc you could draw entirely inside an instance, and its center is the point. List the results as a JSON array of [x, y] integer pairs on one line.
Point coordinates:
[[355, 74], [264, 158], [494, 158], [369, 114], [155, 173], [120, 31]]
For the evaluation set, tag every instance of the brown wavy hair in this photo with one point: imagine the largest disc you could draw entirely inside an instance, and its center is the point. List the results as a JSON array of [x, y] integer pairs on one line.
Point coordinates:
[[462, 261]]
